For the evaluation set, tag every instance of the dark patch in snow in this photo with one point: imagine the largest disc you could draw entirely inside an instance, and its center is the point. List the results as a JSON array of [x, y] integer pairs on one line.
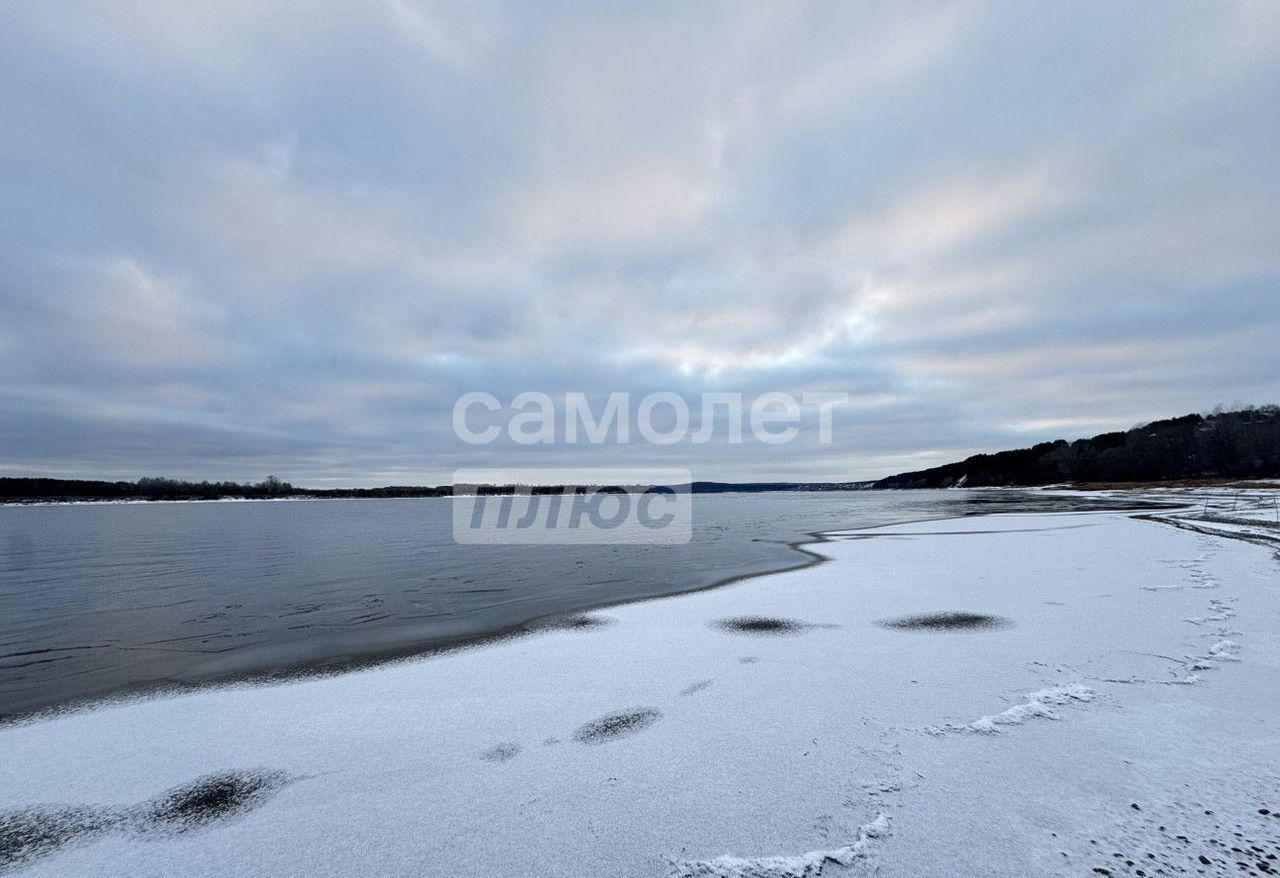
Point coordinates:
[[616, 725], [206, 800], [948, 621], [30, 833], [767, 625], [574, 623], [503, 752], [27, 834], [696, 687], [748, 660]]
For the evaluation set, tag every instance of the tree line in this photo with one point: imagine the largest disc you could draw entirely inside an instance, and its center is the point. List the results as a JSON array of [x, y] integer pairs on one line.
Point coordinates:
[[20, 490], [1240, 444], [150, 488]]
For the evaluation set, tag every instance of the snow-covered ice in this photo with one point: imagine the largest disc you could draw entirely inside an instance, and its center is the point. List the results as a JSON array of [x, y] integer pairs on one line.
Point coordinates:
[[1131, 681]]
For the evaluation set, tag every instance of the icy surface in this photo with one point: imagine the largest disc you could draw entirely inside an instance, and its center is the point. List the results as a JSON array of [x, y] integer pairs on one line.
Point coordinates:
[[1121, 717]]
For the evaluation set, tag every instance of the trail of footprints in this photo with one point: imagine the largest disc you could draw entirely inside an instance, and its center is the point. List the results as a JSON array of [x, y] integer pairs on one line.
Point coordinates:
[[625, 723], [1215, 623]]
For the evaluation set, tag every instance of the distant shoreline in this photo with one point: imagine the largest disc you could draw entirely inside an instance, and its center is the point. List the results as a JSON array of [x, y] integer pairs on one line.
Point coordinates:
[[56, 491], [1234, 449], [446, 493]]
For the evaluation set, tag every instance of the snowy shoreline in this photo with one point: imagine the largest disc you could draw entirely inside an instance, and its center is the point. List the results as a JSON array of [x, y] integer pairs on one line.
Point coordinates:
[[1102, 683]]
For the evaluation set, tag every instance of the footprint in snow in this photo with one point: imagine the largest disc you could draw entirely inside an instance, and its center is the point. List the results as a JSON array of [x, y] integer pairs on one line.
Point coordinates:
[[615, 726], [504, 752]]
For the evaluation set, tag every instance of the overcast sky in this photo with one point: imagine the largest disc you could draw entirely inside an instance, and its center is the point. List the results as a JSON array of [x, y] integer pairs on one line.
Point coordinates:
[[284, 238]]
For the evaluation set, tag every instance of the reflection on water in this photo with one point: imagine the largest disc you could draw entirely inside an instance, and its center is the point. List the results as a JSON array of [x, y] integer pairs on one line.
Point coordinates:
[[101, 599]]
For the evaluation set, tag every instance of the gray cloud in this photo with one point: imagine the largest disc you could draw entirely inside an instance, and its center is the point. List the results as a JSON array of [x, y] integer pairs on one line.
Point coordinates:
[[241, 240]]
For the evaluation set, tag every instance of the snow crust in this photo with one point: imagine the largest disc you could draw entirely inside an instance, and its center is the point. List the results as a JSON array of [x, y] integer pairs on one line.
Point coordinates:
[[806, 865], [1037, 705]]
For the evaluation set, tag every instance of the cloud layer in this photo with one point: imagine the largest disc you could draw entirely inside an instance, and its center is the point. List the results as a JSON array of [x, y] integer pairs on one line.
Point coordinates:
[[242, 239]]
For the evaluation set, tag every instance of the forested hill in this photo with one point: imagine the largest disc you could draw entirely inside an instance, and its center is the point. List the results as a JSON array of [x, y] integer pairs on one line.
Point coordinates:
[[1242, 444]]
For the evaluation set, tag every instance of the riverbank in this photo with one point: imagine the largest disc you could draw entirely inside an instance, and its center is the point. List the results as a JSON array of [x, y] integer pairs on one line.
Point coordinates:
[[1004, 695]]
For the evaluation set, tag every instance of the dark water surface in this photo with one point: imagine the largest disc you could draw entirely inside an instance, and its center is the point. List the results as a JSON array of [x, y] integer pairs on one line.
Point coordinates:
[[98, 600]]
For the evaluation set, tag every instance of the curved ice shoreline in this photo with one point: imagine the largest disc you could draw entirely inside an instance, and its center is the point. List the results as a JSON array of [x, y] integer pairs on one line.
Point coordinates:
[[103, 602], [746, 749]]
